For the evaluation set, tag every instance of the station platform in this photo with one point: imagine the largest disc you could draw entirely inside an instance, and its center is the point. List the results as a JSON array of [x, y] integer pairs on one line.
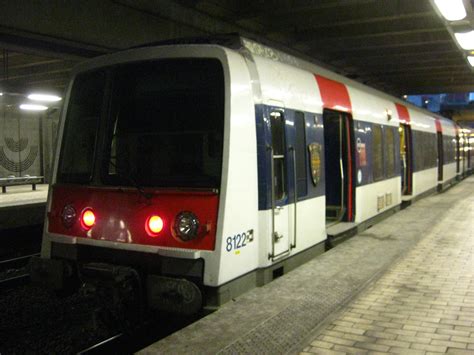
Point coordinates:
[[20, 206], [406, 285]]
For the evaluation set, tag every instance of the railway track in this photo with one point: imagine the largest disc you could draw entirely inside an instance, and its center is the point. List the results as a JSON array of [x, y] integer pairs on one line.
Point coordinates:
[[14, 281], [150, 331], [17, 278], [16, 263], [114, 344]]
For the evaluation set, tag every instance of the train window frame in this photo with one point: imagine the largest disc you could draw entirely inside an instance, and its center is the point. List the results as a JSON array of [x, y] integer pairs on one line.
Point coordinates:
[[378, 173]]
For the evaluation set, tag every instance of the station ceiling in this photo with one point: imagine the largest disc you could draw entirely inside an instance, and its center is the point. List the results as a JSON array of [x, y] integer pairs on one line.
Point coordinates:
[[399, 46]]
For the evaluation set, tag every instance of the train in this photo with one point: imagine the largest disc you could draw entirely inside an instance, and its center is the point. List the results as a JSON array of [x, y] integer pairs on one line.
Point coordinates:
[[189, 171]]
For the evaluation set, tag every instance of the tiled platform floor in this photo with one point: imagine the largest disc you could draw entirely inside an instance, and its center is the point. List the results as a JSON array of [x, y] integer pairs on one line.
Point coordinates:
[[425, 253], [423, 305]]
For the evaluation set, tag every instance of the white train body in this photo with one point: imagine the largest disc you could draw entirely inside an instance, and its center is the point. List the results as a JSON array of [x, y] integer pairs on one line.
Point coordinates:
[[263, 228]]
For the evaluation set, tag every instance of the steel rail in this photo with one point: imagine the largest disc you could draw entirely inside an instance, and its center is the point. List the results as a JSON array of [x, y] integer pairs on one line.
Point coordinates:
[[16, 262]]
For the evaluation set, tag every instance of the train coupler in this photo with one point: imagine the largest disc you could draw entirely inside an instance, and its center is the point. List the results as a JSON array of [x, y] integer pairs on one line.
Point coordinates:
[[118, 290]]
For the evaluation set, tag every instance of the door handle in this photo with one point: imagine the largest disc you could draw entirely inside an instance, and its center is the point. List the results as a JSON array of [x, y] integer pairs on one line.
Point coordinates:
[[277, 237]]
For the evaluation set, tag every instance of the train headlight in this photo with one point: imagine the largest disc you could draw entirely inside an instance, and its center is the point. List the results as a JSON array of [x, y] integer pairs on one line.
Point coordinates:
[[68, 216], [87, 218], [186, 226], [154, 225]]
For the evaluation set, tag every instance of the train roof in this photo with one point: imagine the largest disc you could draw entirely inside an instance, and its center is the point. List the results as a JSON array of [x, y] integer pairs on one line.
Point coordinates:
[[256, 48]]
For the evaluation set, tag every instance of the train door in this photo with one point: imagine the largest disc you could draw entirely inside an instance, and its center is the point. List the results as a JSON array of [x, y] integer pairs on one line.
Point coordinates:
[[281, 209], [440, 156], [406, 158], [339, 160]]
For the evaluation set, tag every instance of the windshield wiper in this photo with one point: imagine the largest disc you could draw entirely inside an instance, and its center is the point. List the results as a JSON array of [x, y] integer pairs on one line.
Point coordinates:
[[131, 179]]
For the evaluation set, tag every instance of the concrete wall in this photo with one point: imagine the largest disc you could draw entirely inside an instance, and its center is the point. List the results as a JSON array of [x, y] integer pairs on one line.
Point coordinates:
[[26, 141]]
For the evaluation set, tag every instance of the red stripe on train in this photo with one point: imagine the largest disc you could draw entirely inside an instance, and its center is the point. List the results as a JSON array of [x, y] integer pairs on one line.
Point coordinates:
[[334, 94], [439, 128], [403, 115], [122, 215]]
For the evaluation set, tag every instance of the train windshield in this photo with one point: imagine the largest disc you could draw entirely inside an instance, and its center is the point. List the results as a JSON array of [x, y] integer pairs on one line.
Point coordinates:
[[162, 125]]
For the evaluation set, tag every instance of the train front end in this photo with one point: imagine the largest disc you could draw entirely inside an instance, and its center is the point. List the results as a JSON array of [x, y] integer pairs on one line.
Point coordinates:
[[139, 182]]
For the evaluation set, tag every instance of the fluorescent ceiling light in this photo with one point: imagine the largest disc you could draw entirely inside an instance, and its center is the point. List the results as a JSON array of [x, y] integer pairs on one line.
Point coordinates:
[[452, 10], [470, 59], [28, 107], [465, 40], [44, 97]]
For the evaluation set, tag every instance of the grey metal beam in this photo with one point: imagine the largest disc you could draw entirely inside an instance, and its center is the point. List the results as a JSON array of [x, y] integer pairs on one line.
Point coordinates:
[[419, 88], [363, 29], [32, 63], [384, 36], [378, 46], [379, 11], [14, 40], [461, 74], [35, 77], [387, 41], [434, 82], [430, 72], [415, 65], [99, 24], [402, 57], [254, 10], [36, 68], [426, 69], [184, 16], [395, 51]]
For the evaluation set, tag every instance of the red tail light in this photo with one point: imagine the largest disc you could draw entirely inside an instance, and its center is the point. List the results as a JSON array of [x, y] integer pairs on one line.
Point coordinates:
[[87, 218], [154, 225]]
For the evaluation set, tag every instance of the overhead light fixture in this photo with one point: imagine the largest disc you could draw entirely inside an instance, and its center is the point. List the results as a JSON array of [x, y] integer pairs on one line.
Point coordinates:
[[1, 93], [29, 107], [44, 97], [452, 10], [465, 40], [470, 59]]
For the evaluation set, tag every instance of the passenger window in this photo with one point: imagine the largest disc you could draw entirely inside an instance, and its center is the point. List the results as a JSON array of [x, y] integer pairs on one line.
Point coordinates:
[[377, 153], [390, 151], [277, 124], [431, 149], [300, 152], [417, 148]]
